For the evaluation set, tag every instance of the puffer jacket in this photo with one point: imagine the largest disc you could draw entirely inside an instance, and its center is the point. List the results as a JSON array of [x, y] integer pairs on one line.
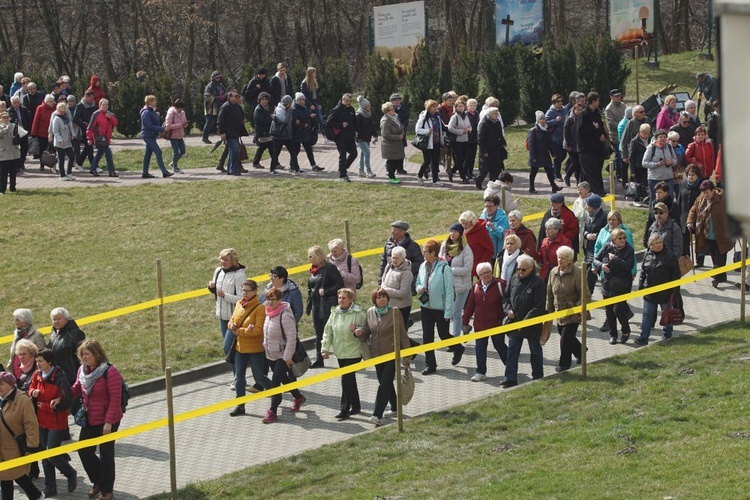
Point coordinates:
[[230, 282], [440, 287], [461, 265], [281, 129], [457, 125], [657, 269], [413, 253], [701, 154], [150, 123], [540, 147], [619, 279], [42, 119], [564, 291], [526, 298], [101, 124], [280, 341], [397, 282], [291, 294], [18, 412], [51, 387], [64, 343], [301, 131], [654, 154], [103, 402], [62, 130], [176, 121], [337, 337], [249, 338], [391, 147], [379, 330]]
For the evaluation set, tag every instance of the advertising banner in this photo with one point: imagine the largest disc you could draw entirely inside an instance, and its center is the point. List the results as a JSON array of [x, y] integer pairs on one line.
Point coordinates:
[[631, 21], [519, 21], [398, 29]]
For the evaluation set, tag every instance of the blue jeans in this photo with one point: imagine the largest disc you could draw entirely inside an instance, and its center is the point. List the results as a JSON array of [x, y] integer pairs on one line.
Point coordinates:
[[152, 147], [458, 308], [209, 126], [364, 157], [178, 150], [233, 146], [255, 360], [514, 351], [649, 316], [480, 348], [652, 191], [49, 439], [227, 336], [107, 153]]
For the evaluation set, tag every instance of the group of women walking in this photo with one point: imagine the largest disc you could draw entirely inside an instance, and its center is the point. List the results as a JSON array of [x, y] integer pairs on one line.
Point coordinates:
[[44, 384]]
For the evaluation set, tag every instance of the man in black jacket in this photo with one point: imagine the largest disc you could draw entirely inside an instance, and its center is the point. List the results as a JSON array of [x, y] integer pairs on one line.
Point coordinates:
[[252, 91], [344, 123], [591, 137], [81, 117], [231, 126], [280, 85], [20, 116], [525, 299]]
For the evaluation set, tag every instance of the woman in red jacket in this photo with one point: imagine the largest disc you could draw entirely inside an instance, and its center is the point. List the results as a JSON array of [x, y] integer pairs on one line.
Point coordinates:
[[50, 392], [101, 386], [547, 256], [40, 125], [475, 231], [99, 134], [701, 152]]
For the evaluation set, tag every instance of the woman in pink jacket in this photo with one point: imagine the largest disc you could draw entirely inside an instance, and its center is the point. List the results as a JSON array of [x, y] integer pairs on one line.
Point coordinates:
[[279, 341], [668, 117], [101, 386], [701, 152], [177, 122]]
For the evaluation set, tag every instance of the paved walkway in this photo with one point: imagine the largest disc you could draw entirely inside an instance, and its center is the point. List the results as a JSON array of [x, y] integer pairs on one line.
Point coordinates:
[[326, 156], [211, 446]]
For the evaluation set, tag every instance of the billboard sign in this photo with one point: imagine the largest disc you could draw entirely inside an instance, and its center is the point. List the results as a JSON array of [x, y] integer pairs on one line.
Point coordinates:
[[519, 21], [399, 27], [631, 21]]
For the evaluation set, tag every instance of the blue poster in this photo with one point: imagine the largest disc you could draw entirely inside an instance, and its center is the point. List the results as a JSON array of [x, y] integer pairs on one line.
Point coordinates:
[[519, 21]]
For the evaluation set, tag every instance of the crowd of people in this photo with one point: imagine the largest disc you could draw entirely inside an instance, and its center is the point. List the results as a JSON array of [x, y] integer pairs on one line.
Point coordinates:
[[47, 381]]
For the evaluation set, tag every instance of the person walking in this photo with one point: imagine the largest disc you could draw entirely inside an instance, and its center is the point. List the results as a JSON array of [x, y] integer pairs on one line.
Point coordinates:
[[214, 96]]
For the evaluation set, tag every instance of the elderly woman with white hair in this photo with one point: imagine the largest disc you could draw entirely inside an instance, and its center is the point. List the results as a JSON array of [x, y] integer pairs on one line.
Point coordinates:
[[61, 129], [322, 295], [26, 352], [348, 266], [547, 256], [23, 320], [492, 143], [525, 299], [64, 341], [615, 264], [564, 290], [691, 108], [485, 304]]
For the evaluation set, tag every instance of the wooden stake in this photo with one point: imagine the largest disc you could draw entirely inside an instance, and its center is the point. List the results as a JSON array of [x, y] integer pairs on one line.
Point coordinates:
[[397, 351], [170, 424], [743, 280], [160, 293], [348, 238]]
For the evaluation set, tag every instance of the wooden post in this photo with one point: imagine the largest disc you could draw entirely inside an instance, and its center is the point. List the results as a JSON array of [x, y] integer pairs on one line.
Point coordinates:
[[743, 280], [348, 238], [584, 283], [637, 79], [397, 352], [160, 293], [170, 423], [612, 183], [503, 194]]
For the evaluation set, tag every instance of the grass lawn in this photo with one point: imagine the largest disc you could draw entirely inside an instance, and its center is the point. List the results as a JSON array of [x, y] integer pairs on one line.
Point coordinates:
[[665, 422], [197, 157], [94, 249]]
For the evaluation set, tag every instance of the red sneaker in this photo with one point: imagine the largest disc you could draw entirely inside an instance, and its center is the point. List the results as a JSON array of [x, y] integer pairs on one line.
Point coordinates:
[[270, 417], [298, 402]]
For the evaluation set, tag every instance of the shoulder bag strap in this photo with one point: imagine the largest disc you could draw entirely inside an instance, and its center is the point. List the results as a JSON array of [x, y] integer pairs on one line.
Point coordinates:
[[2, 417]]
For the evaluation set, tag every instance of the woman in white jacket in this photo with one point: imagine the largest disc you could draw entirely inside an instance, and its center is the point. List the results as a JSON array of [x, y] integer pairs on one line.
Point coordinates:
[[460, 126], [456, 251], [429, 125], [660, 160], [61, 128]]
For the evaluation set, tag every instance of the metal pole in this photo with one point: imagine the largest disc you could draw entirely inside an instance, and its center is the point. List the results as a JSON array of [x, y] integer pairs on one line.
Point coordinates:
[[348, 239], [584, 283], [170, 423], [743, 280], [612, 182], [160, 293], [397, 352]]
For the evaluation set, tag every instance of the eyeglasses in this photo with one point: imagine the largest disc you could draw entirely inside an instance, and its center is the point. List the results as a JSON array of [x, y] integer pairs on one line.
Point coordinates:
[[658, 212]]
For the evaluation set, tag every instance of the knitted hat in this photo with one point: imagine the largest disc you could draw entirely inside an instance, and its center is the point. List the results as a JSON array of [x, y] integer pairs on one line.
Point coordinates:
[[457, 227], [8, 378], [363, 102], [299, 96], [539, 115], [261, 71], [593, 200], [286, 100], [557, 198]]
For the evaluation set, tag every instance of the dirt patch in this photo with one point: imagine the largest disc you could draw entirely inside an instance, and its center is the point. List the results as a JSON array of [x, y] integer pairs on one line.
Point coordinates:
[[687, 371], [630, 448], [739, 435], [503, 448]]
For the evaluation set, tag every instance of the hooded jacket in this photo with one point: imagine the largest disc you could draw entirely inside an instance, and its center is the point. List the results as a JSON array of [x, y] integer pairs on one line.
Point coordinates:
[[95, 85]]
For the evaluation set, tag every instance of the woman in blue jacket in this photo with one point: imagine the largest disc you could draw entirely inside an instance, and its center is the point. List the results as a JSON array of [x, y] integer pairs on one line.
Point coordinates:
[[434, 287], [150, 129]]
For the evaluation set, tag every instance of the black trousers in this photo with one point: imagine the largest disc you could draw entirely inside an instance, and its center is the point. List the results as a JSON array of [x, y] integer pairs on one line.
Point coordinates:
[[547, 170], [491, 167], [618, 312], [309, 152], [558, 156], [460, 151], [386, 392], [276, 151], [347, 154], [392, 166], [591, 172], [262, 146], [26, 485], [573, 167], [569, 344], [100, 469], [282, 375], [719, 259], [471, 156], [87, 152], [349, 390], [432, 318], [8, 170], [319, 325], [431, 164]]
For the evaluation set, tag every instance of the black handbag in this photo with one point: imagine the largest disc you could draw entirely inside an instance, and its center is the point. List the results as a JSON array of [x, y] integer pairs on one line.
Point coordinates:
[[101, 142], [421, 142]]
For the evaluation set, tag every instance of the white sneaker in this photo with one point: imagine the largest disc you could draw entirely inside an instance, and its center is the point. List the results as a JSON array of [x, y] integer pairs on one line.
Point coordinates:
[[361, 173], [79, 168], [375, 420], [232, 386], [437, 184], [478, 377], [390, 414], [371, 175], [68, 178]]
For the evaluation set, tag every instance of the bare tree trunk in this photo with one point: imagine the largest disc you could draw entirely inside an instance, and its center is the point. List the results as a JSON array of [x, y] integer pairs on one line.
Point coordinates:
[[560, 18], [102, 22], [186, 94]]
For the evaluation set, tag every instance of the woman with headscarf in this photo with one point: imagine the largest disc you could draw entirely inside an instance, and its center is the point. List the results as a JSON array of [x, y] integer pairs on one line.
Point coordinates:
[[456, 251]]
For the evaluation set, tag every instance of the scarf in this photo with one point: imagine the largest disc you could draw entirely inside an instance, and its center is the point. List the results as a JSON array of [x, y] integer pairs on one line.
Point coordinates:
[[23, 334], [273, 312], [509, 259], [382, 311], [704, 215], [393, 118], [694, 183], [314, 269], [542, 127], [87, 380], [27, 367], [451, 247], [366, 114]]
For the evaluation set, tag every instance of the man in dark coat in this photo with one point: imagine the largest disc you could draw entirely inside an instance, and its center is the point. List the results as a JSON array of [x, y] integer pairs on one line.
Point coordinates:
[[596, 219], [252, 90], [21, 116], [280, 85], [591, 137], [492, 151], [214, 97], [525, 299], [231, 126], [344, 120]]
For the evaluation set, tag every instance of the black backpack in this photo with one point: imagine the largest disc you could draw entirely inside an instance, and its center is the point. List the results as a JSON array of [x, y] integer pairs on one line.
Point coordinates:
[[124, 391], [328, 128], [361, 272]]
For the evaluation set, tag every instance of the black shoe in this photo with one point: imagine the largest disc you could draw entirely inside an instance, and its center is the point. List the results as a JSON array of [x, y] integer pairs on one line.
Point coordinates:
[[72, 482], [464, 181], [429, 370], [343, 415], [450, 176], [624, 337], [532, 191], [243, 170], [613, 341], [317, 169], [220, 168], [238, 410], [640, 342], [206, 141], [147, 176], [94, 173], [114, 174], [566, 180], [604, 328], [167, 174], [49, 493], [457, 354], [556, 188], [478, 183], [508, 383], [355, 411], [318, 363], [400, 171]]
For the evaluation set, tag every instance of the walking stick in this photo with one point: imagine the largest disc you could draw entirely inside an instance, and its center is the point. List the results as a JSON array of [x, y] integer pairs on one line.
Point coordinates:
[[692, 257]]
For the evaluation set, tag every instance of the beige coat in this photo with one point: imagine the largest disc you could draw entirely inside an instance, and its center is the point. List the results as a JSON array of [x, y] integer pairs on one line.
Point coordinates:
[[7, 150], [564, 292], [380, 331], [18, 412]]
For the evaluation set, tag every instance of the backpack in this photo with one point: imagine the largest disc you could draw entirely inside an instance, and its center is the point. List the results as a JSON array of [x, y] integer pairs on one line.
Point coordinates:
[[124, 391], [328, 131], [361, 273]]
